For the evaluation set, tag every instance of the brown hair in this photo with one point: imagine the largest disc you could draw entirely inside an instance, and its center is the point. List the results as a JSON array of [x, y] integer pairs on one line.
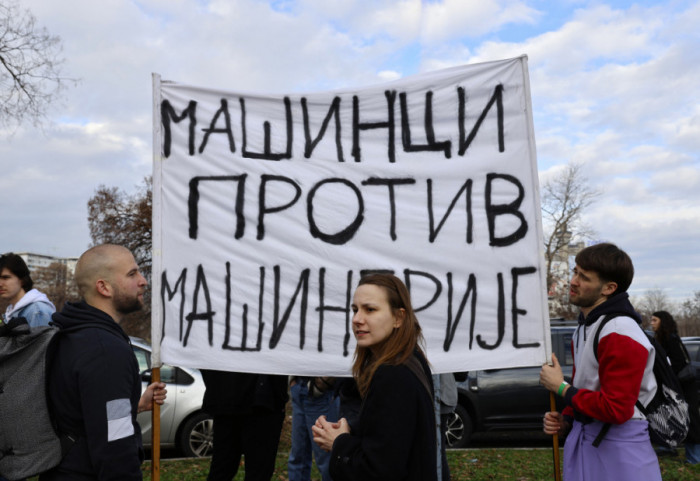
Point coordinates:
[[400, 344], [611, 263]]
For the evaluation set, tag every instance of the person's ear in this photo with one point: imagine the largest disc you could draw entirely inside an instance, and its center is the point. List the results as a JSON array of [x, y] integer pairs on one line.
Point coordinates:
[[609, 288], [399, 317], [103, 288]]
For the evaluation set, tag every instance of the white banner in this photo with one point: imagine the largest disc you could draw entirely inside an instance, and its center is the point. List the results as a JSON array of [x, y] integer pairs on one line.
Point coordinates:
[[269, 208]]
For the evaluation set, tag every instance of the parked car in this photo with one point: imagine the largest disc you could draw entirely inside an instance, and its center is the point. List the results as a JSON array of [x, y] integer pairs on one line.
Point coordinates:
[[506, 399], [692, 345], [183, 424]]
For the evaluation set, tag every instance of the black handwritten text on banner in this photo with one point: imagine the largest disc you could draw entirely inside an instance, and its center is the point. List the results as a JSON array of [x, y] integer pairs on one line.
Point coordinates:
[[272, 207]]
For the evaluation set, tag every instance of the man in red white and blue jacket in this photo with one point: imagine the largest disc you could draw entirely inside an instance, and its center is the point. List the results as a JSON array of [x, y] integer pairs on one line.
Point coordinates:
[[606, 384]]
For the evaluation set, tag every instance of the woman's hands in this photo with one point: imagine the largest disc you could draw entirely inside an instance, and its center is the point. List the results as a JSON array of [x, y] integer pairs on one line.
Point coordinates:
[[325, 432]]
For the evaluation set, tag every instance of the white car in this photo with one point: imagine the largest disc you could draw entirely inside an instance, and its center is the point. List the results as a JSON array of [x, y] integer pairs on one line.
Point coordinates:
[[183, 424]]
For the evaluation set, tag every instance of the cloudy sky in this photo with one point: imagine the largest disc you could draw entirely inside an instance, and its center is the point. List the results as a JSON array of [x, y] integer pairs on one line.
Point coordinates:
[[614, 87]]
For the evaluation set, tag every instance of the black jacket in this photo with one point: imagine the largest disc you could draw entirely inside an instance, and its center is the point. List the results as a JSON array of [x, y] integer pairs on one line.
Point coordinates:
[[395, 435], [674, 350], [94, 391], [238, 393]]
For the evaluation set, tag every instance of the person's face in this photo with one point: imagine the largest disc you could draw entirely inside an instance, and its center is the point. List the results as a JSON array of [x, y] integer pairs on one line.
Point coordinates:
[[128, 284], [10, 286], [373, 320], [587, 290], [655, 323]]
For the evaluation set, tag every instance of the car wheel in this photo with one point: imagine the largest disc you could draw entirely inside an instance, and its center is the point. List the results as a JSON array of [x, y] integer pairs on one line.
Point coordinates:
[[458, 429], [197, 436]]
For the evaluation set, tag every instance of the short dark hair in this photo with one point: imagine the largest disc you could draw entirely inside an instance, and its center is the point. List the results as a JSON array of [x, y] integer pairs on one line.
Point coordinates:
[[611, 263], [16, 265]]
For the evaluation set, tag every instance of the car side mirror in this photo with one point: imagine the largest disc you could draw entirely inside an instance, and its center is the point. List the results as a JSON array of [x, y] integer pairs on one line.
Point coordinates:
[[146, 376]]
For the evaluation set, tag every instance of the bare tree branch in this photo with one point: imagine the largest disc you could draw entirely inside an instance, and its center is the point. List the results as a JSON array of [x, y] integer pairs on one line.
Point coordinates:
[[115, 217], [30, 67], [55, 281], [689, 318], [653, 300], [565, 199]]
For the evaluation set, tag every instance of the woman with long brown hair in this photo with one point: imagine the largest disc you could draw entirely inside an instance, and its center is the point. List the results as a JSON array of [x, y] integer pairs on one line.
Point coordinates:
[[666, 333], [395, 434]]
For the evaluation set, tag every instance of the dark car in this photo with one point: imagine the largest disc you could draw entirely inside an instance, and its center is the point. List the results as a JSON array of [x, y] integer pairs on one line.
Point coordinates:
[[692, 345], [506, 399]]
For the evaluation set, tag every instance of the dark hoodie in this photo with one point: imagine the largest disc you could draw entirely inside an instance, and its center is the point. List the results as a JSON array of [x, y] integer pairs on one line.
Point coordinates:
[[94, 390]]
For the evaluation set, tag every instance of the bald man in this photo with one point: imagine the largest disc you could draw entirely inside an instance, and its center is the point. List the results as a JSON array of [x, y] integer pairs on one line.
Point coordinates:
[[94, 382]]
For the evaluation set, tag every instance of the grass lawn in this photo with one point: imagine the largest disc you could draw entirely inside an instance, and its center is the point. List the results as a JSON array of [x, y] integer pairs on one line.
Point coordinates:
[[470, 464], [465, 465]]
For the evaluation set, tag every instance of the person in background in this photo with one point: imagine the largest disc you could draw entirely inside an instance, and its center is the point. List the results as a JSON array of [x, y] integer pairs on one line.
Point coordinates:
[[16, 287], [666, 333], [395, 435], [312, 397], [446, 397], [94, 385], [248, 413], [605, 386]]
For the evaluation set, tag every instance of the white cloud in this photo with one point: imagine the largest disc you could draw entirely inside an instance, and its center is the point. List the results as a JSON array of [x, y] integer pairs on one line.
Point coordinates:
[[613, 87], [450, 18], [678, 182], [388, 75], [398, 19]]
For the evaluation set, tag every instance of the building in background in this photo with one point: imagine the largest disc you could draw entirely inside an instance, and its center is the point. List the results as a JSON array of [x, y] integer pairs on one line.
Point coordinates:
[[54, 276], [37, 261]]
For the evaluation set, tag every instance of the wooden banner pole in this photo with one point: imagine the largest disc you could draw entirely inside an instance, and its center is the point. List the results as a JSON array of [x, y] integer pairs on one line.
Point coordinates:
[[155, 432], [555, 441]]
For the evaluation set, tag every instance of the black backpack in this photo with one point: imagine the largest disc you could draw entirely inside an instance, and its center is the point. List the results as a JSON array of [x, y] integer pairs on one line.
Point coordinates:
[[667, 413], [29, 442]]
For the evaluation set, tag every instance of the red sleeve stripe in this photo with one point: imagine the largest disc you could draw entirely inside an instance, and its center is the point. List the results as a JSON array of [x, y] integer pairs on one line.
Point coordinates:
[[622, 362]]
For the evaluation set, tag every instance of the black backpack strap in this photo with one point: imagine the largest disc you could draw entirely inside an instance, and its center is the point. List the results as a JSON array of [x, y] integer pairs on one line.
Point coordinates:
[[606, 427], [415, 366], [16, 326], [596, 338], [641, 407], [603, 431]]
